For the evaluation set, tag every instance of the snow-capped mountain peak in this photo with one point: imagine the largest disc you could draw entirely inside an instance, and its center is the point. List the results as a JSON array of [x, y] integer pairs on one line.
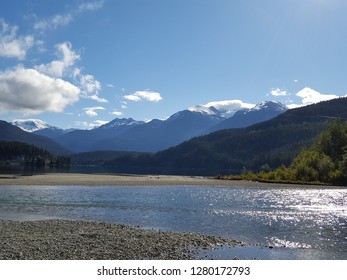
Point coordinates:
[[120, 122], [204, 110], [270, 105], [262, 111], [225, 108], [31, 125]]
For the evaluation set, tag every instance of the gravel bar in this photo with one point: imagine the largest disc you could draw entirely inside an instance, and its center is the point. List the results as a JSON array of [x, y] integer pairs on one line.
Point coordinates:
[[78, 179], [82, 240]]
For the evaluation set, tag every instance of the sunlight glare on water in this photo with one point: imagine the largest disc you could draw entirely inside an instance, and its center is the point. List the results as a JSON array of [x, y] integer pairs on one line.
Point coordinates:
[[311, 220]]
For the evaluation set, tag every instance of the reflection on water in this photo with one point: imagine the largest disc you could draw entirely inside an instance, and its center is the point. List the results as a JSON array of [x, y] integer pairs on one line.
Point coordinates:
[[310, 222]]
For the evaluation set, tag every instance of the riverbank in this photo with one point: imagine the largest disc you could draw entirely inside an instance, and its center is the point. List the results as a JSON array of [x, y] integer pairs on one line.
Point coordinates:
[[77, 179], [81, 240]]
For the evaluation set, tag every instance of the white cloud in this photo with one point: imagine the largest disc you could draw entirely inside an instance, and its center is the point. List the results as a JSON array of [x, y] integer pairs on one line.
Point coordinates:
[[65, 66], [58, 68], [227, 107], [116, 113], [53, 22], [311, 96], [89, 83], [132, 97], [98, 99], [110, 85], [59, 20], [40, 45], [293, 105], [145, 95], [87, 125], [90, 6], [91, 111], [124, 105], [98, 123], [278, 92], [81, 123], [11, 45], [230, 105], [30, 92], [90, 87]]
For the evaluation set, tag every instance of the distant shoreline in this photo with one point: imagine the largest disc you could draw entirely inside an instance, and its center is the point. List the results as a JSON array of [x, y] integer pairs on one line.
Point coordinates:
[[79, 179]]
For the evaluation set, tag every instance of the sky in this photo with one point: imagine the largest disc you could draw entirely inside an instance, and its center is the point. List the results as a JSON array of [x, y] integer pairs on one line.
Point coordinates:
[[80, 63]]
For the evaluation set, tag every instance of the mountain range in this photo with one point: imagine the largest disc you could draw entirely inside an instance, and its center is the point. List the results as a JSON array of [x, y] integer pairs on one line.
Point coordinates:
[[9, 132], [261, 112], [131, 135], [270, 143]]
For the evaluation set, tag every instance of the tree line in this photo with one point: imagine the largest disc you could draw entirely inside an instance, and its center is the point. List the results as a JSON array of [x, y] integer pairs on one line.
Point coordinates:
[[14, 152], [325, 161]]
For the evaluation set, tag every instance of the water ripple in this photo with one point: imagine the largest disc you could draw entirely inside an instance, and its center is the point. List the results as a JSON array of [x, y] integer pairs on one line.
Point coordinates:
[[312, 219]]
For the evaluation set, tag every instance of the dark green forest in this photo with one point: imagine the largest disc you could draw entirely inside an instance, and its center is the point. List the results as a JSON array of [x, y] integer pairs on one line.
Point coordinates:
[[223, 152], [325, 161], [18, 153], [264, 146]]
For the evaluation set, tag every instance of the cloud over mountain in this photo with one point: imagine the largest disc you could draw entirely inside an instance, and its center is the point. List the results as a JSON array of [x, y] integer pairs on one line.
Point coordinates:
[[311, 96], [226, 107]]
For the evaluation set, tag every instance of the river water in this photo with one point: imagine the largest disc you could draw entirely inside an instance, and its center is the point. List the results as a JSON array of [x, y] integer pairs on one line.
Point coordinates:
[[297, 223]]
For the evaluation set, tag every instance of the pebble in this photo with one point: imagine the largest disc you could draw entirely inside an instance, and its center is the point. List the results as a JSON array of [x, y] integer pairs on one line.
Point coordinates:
[[85, 240]]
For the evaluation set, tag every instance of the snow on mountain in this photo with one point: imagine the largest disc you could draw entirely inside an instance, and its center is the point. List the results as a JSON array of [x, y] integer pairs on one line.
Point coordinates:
[[204, 110], [127, 134], [31, 125], [263, 111], [270, 105], [225, 108], [116, 123]]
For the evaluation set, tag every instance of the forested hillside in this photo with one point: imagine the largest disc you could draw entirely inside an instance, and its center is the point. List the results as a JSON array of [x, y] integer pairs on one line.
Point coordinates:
[[325, 161], [24, 154], [9, 132], [265, 145]]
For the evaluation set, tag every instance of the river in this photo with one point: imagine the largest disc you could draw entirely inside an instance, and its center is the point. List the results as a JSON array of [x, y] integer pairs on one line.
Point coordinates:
[[298, 223]]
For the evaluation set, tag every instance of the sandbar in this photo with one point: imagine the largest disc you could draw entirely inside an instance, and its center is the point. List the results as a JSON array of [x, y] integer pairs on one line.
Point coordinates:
[[81, 179]]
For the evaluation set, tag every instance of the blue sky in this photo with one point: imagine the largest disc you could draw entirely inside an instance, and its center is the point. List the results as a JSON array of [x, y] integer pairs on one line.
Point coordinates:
[[81, 63]]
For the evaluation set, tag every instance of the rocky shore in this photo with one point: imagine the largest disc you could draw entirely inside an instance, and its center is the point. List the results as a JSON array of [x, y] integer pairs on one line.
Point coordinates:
[[81, 240]]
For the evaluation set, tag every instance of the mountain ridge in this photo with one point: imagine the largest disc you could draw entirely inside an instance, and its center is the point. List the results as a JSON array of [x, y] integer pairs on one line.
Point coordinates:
[[232, 151], [245, 117], [11, 132], [127, 134], [31, 125]]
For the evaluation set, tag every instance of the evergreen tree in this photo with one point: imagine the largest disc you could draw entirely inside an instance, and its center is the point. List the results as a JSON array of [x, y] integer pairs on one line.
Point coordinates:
[[325, 161]]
